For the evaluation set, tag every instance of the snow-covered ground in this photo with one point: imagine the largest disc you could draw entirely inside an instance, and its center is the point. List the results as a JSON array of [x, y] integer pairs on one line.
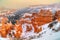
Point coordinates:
[[4, 39], [46, 34], [49, 34]]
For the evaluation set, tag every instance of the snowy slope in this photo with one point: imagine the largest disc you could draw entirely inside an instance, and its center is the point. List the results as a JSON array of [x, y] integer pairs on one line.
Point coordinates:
[[46, 34]]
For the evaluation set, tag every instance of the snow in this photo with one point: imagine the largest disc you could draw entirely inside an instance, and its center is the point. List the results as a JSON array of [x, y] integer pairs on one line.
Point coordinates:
[[27, 14], [46, 34], [57, 26], [27, 34], [49, 34], [4, 39]]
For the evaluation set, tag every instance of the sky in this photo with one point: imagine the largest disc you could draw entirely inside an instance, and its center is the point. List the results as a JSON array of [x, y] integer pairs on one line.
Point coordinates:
[[24, 3]]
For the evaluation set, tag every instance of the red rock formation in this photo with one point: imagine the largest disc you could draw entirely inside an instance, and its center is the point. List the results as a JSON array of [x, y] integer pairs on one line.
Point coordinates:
[[57, 15], [37, 19]]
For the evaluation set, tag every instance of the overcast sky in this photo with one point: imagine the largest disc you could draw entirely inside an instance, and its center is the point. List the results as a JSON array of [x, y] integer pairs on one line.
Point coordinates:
[[24, 3]]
